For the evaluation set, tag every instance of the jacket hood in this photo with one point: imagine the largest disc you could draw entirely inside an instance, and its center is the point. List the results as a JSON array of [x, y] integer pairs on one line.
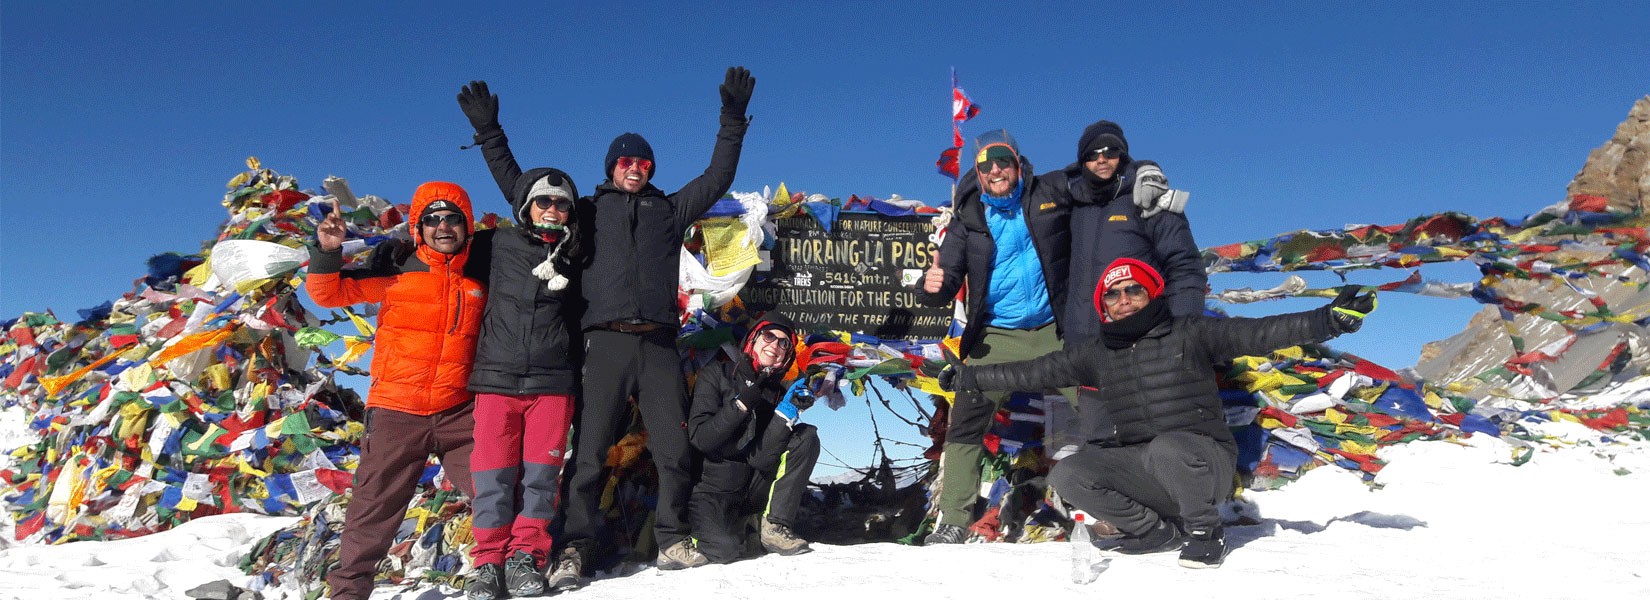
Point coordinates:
[[524, 184], [435, 192], [773, 320]]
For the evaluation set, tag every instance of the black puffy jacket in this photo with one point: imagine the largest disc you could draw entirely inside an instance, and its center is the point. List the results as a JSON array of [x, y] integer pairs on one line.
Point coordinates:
[[528, 344], [1104, 229], [721, 429], [1163, 382], [969, 250], [636, 238]]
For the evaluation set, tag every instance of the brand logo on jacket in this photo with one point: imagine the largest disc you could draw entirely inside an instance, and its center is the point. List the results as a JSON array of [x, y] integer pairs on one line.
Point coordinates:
[[1118, 218], [1045, 206]]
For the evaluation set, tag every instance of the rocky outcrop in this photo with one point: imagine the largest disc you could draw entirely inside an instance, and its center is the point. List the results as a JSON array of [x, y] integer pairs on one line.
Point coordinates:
[[1483, 361], [1618, 170]]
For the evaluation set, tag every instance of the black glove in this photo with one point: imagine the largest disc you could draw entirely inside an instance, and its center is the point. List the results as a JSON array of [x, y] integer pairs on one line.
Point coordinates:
[[804, 400], [1349, 309], [761, 393], [479, 105], [389, 255], [956, 375], [756, 397], [736, 91]]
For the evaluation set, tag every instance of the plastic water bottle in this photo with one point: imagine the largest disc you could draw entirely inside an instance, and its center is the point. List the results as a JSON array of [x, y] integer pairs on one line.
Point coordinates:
[[1085, 558]]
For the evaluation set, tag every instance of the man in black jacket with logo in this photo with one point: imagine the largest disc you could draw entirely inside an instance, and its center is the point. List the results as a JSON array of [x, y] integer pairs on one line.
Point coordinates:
[[1122, 208], [756, 455], [1158, 449]]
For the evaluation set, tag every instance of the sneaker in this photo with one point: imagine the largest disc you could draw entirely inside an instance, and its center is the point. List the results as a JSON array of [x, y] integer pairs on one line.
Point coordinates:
[[681, 555], [1205, 550], [569, 571], [946, 534], [778, 539], [1162, 538], [522, 576], [485, 583]]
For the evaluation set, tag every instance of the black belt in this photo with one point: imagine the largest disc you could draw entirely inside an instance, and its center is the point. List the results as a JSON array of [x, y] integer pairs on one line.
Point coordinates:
[[633, 326]]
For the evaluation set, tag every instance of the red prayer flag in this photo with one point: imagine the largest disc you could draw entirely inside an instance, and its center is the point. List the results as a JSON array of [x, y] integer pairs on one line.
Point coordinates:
[[947, 163], [962, 108]]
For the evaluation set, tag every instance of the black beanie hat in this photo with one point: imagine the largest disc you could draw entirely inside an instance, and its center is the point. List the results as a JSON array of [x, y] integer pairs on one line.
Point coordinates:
[[628, 144], [1101, 134]]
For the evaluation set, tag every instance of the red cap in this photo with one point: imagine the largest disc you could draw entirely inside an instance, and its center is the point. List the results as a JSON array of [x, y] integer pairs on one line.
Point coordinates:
[[1128, 268]]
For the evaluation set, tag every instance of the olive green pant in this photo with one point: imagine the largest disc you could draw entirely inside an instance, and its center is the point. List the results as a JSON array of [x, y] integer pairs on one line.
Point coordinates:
[[973, 411]]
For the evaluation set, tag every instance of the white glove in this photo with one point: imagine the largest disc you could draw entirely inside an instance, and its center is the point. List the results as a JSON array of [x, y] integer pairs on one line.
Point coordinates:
[[1152, 193]]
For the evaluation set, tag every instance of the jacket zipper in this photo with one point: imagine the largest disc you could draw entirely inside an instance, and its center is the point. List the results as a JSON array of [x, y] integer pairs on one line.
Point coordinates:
[[458, 296]]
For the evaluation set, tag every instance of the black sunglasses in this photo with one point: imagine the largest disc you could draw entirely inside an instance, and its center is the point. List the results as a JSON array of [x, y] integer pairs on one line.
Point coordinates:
[[452, 219], [549, 202], [773, 338], [1002, 162], [1108, 152], [1134, 289]]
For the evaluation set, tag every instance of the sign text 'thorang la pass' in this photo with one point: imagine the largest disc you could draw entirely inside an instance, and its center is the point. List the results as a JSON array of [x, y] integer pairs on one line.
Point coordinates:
[[860, 277]]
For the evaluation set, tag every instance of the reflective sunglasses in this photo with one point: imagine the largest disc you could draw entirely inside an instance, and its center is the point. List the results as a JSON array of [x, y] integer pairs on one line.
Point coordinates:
[[1108, 152], [549, 202], [452, 219], [992, 164], [626, 162], [1134, 290]]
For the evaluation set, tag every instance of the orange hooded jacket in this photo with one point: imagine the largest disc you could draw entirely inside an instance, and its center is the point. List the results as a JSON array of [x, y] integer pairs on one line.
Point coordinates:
[[429, 320]]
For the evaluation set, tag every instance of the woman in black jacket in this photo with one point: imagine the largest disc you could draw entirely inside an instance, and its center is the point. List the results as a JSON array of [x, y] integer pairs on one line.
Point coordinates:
[[526, 368], [743, 420], [1158, 447]]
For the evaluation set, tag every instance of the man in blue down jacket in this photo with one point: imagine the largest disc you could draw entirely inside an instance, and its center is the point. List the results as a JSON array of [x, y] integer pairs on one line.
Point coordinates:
[[1009, 240], [1159, 458]]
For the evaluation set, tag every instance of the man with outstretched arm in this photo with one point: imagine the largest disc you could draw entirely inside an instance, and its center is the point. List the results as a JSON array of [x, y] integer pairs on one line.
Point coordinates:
[[1159, 458]]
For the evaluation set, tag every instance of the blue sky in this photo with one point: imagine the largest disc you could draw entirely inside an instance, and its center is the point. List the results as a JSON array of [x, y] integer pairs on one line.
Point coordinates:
[[119, 124]]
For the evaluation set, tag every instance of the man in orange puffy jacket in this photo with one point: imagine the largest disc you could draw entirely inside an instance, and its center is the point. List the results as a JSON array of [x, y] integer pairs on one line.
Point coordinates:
[[423, 351]]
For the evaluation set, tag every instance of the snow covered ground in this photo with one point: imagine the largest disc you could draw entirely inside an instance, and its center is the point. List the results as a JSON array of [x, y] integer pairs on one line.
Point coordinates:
[[1449, 521]]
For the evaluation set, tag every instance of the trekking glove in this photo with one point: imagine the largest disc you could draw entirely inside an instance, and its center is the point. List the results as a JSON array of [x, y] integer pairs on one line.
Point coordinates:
[[797, 399], [756, 396], [1150, 187], [736, 91], [1350, 307], [956, 375], [479, 105], [389, 254]]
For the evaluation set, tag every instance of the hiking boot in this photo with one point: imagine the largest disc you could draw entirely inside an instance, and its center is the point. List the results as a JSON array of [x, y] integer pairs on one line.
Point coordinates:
[[1162, 538], [778, 539], [681, 555], [485, 583], [1204, 549], [569, 571], [522, 576], [946, 534]]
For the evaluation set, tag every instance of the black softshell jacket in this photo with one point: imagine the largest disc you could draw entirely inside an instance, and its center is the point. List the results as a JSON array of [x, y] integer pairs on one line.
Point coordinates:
[[529, 341], [1163, 382]]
